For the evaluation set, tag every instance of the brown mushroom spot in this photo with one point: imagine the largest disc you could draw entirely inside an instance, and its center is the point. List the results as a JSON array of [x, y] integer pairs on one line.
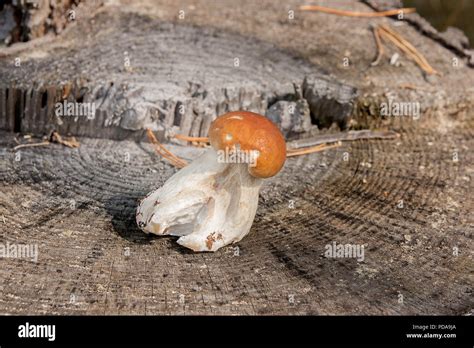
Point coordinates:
[[156, 203], [210, 240]]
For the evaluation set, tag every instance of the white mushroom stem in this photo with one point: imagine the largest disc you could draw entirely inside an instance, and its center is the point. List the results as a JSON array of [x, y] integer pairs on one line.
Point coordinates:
[[207, 204]]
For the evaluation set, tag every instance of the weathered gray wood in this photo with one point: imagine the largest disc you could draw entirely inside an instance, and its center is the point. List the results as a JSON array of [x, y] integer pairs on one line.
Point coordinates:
[[453, 38], [148, 92], [79, 205], [22, 21], [142, 79], [406, 200]]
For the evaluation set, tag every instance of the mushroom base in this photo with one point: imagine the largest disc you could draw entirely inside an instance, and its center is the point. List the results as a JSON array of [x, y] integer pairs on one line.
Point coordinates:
[[207, 204]]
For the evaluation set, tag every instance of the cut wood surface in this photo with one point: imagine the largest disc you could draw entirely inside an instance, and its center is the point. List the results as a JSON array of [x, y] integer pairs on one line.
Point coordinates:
[[407, 200], [79, 206]]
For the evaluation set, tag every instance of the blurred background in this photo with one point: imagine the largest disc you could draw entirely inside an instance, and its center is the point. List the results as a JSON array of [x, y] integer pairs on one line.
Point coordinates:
[[23, 20], [447, 13]]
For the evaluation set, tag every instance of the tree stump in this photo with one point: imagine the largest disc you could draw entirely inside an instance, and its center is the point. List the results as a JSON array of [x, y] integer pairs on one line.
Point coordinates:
[[406, 201]]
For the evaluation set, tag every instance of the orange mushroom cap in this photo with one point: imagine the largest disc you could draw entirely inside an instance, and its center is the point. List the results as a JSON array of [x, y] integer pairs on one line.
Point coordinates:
[[250, 131]]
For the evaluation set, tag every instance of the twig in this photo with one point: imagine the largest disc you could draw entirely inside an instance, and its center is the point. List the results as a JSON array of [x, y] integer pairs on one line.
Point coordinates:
[[22, 146], [294, 148], [162, 151], [357, 14], [349, 136], [191, 139], [312, 149], [406, 47], [56, 138], [415, 88], [380, 50]]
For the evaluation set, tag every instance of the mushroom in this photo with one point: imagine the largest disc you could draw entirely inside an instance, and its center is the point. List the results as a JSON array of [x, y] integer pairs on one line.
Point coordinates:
[[212, 202]]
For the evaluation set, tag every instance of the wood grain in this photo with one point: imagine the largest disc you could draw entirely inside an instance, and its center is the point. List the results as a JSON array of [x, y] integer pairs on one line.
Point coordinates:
[[407, 200], [79, 205]]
